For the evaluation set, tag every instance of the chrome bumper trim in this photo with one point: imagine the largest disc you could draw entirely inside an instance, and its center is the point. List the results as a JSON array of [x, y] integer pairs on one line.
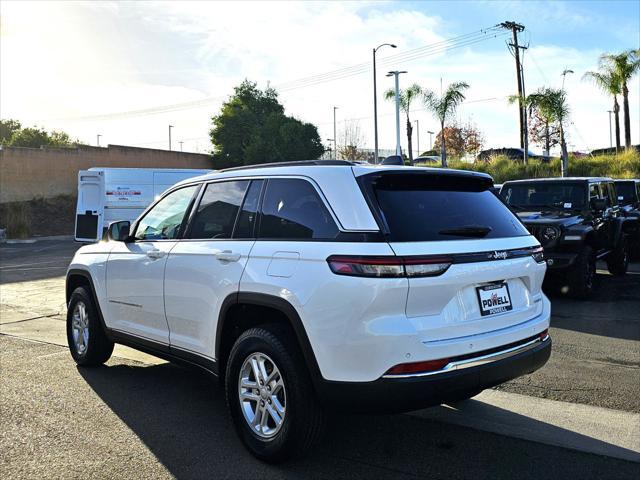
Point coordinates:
[[477, 361]]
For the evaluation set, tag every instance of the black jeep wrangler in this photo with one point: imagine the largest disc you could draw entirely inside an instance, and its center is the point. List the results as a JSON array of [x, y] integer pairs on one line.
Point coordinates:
[[628, 192], [577, 221]]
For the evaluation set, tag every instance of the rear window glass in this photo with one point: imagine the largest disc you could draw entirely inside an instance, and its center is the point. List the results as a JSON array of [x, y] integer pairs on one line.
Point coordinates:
[[545, 194], [426, 209]]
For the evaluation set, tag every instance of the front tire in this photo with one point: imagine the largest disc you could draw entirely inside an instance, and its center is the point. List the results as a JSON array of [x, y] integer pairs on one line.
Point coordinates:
[[270, 396], [582, 276], [618, 260], [88, 343]]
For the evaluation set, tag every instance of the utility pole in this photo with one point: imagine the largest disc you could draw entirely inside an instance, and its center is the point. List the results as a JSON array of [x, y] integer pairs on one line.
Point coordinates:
[[375, 101], [610, 133], [170, 127], [515, 29], [98, 138], [418, 135], [430, 139], [396, 74], [335, 145], [180, 145]]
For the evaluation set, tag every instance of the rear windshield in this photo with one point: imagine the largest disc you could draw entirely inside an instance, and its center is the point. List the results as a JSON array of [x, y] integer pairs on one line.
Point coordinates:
[[545, 194], [442, 207], [626, 192]]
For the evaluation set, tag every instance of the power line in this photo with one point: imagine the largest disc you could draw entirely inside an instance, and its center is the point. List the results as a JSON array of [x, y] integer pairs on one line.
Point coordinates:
[[428, 50]]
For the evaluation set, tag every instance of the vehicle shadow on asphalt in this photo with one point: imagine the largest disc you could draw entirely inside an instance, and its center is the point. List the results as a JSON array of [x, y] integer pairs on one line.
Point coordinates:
[[182, 418]]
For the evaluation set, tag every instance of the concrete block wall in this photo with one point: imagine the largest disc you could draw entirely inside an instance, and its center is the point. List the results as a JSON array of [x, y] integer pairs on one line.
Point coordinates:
[[27, 173]]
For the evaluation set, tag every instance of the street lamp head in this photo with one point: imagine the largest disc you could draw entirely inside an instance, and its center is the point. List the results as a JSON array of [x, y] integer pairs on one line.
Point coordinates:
[[392, 45], [567, 70]]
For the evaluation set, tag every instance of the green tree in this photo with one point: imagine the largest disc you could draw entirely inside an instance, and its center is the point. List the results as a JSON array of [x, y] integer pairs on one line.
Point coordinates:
[[608, 81], [7, 129], [252, 128], [543, 104], [444, 107], [32, 137], [407, 96]]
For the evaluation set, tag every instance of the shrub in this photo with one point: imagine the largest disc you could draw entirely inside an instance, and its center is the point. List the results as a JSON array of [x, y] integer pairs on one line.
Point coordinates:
[[623, 165]]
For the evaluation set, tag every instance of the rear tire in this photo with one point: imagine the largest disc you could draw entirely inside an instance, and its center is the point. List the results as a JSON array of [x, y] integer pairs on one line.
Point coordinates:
[[582, 276], [290, 396], [618, 260], [88, 342]]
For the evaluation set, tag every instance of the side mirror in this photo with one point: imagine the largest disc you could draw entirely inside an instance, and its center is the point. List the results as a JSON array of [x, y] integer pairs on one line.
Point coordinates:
[[599, 203], [119, 231]]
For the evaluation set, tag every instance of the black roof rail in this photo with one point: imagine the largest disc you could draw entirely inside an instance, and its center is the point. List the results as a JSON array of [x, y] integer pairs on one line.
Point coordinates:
[[298, 163]]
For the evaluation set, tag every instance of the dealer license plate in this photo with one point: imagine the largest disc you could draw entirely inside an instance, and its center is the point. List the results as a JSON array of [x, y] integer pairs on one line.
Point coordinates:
[[494, 298]]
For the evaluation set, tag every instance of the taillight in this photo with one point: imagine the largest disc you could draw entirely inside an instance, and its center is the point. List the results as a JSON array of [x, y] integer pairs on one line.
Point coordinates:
[[538, 254], [419, 367], [391, 266]]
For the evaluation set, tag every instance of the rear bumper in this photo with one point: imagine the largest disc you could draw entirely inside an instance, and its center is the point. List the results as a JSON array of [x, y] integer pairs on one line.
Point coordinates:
[[416, 392]]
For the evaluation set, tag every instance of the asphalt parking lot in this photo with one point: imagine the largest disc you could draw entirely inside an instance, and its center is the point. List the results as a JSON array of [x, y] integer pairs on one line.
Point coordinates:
[[139, 417]]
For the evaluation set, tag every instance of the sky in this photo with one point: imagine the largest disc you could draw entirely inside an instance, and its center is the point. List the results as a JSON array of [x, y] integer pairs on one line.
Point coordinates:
[[128, 70]]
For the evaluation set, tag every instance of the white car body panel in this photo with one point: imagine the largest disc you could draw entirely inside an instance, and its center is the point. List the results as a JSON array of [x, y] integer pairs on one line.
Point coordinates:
[[358, 327], [198, 278], [135, 289]]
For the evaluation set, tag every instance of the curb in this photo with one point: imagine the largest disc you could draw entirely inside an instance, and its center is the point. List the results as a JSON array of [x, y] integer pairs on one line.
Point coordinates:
[[14, 241]]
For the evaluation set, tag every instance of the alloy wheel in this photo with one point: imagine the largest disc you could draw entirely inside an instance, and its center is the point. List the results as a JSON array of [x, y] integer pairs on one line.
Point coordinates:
[[262, 394], [80, 328]]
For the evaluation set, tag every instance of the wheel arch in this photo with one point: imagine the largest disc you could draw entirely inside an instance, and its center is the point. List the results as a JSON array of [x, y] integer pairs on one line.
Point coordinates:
[[77, 277], [272, 309]]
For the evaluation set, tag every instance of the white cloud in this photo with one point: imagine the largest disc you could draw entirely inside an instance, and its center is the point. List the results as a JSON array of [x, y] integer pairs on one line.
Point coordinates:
[[61, 60]]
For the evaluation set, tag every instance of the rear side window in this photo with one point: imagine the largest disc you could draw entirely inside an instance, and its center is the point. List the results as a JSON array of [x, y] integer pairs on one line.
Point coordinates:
[[218, 209], [432, 207], [292, 209], [248, 214]]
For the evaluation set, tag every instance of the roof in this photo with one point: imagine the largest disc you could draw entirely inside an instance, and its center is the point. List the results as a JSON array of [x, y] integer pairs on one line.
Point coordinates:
[[561, 179], [312, 168]]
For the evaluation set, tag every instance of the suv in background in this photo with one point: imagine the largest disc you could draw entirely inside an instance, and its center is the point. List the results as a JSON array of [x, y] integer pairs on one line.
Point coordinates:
[[628, 192], [577, 221], [315, 285]]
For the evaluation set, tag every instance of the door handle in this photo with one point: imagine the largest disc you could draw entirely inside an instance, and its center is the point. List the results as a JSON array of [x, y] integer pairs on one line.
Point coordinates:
[[228, 256], [156, 254]]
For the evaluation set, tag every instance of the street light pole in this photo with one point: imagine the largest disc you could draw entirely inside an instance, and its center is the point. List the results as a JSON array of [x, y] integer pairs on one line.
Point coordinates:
[[335, 145], [180, 145], [375, 101], [610, 133], [98, 139], [430, 139], [418, 135], [170, 127], [396, 74]]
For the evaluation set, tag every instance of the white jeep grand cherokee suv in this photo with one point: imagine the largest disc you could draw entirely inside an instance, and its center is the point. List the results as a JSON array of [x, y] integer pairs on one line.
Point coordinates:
[[315, 285]]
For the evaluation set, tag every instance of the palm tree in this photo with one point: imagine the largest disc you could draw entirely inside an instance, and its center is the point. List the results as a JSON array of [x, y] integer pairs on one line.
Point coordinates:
[[407, 96], [609, 82], [625, 65], [541, 101], [444, 107]]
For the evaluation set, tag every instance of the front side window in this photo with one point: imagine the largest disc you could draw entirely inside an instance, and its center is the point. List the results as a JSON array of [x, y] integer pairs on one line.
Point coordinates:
[[218, 209], [164, 220], [292, 209]]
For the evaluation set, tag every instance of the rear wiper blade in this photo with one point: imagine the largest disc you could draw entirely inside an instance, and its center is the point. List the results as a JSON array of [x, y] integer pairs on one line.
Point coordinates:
[[467, 231]]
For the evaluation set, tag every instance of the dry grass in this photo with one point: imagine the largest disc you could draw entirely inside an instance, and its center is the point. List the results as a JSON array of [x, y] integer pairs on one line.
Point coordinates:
[[623, 165]]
